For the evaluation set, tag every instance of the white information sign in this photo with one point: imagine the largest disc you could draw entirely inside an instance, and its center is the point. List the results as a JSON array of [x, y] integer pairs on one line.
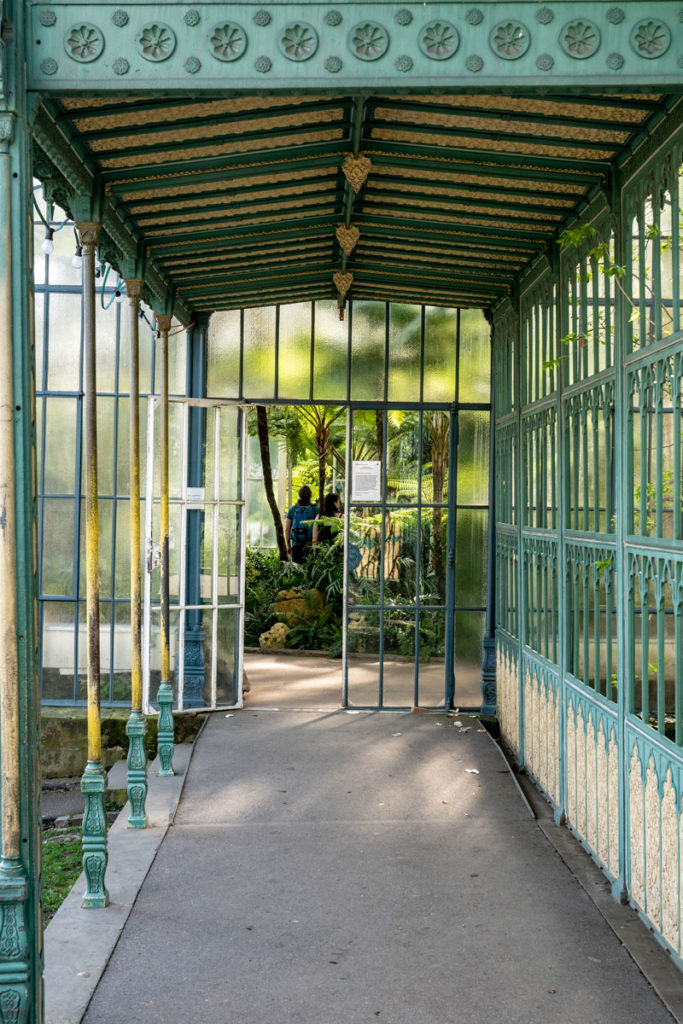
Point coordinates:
[[366, 481], [195, 495]]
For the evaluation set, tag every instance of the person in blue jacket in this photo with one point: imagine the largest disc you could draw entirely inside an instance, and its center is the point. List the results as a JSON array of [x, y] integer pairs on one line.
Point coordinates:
[[299, 526]]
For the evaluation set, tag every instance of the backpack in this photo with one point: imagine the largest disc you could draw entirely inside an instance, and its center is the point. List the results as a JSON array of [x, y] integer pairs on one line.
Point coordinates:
[[302, 525]]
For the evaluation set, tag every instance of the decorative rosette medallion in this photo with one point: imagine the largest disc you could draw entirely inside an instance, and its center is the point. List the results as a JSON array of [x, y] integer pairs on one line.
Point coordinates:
[[368, 40], [439, 40]]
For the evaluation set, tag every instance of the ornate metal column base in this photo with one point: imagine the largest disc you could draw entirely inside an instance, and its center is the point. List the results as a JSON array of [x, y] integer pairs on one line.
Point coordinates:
[[93, 785], [14, 955], [194, 669], [137, 770], [165, 733], [488, 676]]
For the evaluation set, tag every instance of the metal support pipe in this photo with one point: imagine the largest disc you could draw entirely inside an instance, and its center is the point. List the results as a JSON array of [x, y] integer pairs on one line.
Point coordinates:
[[165, 694], [93, 783], [135, 728], [488, 665], [14, 951]]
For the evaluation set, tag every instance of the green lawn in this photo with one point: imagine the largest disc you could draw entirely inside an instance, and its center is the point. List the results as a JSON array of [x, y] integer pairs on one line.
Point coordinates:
[[62, 864]]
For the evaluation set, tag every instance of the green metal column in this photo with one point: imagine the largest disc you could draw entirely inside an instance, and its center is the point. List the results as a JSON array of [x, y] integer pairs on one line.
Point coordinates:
[[14, 946], [94, 782], [20, 920], [135, 728], [165, 694]]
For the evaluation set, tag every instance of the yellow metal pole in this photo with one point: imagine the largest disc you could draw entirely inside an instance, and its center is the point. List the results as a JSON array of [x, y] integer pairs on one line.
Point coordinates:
[[165, 695], [93, 783], [135, 728]]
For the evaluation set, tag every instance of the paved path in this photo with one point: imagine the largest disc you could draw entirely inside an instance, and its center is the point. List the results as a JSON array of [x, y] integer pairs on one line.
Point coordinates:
[[342, 869]]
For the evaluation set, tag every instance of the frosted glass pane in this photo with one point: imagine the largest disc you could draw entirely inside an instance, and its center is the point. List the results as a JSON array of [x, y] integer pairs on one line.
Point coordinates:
[[223, 356], [473, 458], [331, 352], [60, 445], [475, 357], [440, 351], [64, 341], [367, 367], [404, 353], [294, 358], [259, 352]]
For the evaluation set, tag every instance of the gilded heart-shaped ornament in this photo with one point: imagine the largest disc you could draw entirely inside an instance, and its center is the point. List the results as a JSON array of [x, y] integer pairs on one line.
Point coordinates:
[[356, 169], [347, 237], [342, 281]]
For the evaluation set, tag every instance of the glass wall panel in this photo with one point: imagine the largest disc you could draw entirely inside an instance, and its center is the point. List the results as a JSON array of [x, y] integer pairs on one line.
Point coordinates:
[[259, 352], [228, 554], [364, 645], [57, 528], [435, 445], [405, 339], [58, 650], [469, 632], [331, 353], [223, 355], [400, 555], [230, 455], [473, 458], [402, 460], [227, 625], [440, 350], [398, 668], [64, 353], [474, 371], [294, 351], [432, 658], [60, 445], [471, 558], [366, 533], [368, 351]]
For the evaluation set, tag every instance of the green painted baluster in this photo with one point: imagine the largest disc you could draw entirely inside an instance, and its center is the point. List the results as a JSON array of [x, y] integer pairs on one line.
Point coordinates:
[[677, 427], [661, 587], [576, 612], [659, 445], [675, 251], [643, 453], [586, 614], [644, 582], [585, 461], [576, 462], [644, 319], [584, 347], [609, 598], [595, 299], [595, 423], [656, 251], [677, 589], [597, 573]]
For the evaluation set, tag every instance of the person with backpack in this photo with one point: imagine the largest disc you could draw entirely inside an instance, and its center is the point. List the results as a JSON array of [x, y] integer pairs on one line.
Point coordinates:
[[299, 525]]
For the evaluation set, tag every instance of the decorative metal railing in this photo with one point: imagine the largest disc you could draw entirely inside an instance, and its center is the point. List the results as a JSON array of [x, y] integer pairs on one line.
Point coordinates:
[[589, 593]]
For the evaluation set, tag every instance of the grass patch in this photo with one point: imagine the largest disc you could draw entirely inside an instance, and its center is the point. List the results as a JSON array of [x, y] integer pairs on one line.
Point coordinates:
[[62, 864]]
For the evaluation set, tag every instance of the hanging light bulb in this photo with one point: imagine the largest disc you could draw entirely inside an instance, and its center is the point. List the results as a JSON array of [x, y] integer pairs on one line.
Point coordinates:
[[48, 245], [77, 259]]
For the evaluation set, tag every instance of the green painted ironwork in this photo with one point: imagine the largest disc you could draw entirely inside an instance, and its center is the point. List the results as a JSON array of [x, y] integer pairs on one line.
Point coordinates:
[[309, 45]]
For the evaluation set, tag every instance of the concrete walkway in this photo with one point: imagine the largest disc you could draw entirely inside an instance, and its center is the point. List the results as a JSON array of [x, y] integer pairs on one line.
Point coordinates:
[[346, 868]]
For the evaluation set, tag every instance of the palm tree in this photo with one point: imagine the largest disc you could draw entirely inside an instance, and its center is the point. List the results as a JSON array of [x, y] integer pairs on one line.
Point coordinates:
[[320, 419], [264, 445]]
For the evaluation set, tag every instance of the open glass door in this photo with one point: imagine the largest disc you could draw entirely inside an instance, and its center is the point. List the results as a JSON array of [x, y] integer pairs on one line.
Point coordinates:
[[400, 559], [207, 537]]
